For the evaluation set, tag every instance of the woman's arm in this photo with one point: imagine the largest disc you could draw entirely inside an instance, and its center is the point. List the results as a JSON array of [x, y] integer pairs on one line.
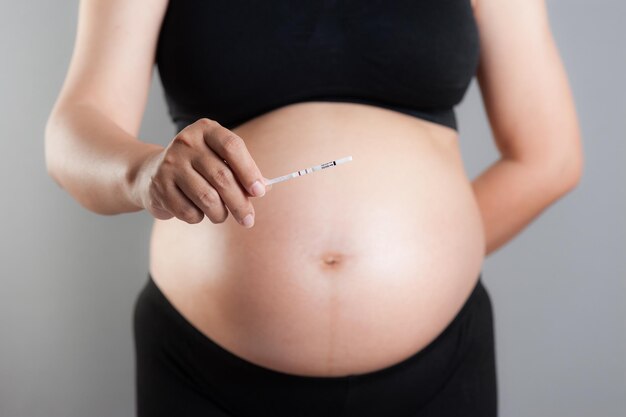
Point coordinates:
[[92, 150], [531, 111]]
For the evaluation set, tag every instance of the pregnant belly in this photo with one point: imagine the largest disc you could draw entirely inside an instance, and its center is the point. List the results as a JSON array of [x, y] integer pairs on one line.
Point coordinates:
[[346, 270]]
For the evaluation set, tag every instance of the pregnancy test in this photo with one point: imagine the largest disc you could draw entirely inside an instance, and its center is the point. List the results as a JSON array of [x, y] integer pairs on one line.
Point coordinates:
[[309, 170]]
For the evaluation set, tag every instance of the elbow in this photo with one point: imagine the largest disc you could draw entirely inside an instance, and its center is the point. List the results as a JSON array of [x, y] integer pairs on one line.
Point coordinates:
[[51, 152], [52, 170], [556, 170], [57, 168], [564, 169], [571, 172]]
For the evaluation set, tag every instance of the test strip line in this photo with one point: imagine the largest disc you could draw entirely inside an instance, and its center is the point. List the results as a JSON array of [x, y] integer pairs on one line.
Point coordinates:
[[309, 170]]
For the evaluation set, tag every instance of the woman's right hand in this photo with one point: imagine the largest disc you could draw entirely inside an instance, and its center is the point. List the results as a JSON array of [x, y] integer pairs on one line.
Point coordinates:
[[205, 170]]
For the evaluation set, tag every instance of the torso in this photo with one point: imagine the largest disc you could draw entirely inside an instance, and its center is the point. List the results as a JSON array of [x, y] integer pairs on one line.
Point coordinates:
[[346, 270]]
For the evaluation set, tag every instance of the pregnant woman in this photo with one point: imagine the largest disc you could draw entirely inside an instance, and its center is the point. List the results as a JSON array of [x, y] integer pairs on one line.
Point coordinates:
[[352, 291]]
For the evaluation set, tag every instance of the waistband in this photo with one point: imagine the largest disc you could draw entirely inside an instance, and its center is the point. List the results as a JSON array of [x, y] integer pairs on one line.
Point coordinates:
[[227, 378]]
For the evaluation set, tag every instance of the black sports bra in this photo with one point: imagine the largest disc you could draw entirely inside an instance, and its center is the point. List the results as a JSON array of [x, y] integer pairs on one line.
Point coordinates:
[[233, 60]]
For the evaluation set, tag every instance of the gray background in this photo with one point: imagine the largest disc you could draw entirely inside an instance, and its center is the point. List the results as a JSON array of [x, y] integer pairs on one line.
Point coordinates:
[[69, 277]]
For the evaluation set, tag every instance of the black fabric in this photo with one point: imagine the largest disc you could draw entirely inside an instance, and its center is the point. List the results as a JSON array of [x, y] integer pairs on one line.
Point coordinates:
[[181, 372], [233, 60]]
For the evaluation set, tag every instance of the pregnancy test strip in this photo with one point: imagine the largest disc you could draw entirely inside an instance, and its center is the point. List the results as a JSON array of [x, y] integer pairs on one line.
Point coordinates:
[[309, 170]]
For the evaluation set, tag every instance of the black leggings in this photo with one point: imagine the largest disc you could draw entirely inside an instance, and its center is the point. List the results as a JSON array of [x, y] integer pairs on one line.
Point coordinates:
[[181, 372]]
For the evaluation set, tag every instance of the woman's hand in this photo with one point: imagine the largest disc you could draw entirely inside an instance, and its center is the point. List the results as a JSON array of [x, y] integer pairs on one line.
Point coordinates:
[[204, 170]]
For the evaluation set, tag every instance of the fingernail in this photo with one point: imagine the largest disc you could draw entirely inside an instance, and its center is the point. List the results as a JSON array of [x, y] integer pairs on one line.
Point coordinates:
[[268, 187], [248, 221], [258, 189]]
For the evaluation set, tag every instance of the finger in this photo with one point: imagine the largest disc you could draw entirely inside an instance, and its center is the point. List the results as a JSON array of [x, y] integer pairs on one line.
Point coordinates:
[[222, 179], [202, 194], [180, 205], [232, 149], [159, 212]]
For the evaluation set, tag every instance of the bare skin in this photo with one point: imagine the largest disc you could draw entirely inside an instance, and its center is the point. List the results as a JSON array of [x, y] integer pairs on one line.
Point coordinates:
[[378, 254]]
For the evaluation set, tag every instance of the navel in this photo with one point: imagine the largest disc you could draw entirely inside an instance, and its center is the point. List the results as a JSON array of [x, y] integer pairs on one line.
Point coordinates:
[[332, 260]]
